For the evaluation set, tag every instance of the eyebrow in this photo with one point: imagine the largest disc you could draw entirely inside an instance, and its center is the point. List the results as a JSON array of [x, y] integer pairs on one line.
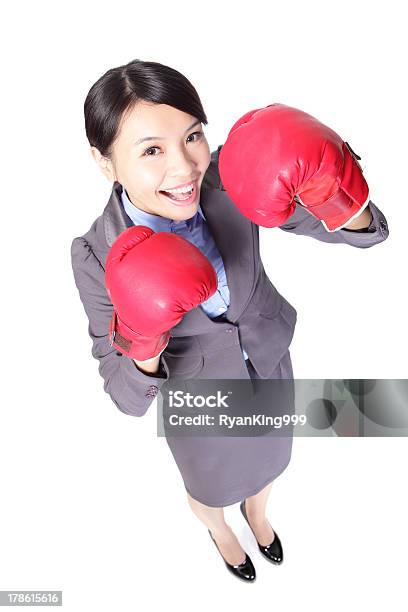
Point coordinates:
[[161, 138]]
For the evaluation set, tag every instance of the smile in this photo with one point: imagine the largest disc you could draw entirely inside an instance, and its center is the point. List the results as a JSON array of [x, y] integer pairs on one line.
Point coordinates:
[[183, 196]]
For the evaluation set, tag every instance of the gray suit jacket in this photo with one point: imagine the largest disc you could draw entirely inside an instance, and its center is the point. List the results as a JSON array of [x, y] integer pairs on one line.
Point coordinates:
[[258, 315]]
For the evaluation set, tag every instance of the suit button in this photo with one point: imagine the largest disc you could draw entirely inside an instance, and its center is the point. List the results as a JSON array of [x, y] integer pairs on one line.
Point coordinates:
[[152, 391], [383, 228]]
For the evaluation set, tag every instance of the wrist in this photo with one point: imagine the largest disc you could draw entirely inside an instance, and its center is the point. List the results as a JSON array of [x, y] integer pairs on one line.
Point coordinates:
[[362, 221], [149, 366]]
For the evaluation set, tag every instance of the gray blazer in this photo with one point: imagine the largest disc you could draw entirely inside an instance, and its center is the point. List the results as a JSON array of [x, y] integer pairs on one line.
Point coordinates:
[[258, 315]]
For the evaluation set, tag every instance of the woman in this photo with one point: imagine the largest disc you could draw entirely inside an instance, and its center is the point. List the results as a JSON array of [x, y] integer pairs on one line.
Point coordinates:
[[144, 124]]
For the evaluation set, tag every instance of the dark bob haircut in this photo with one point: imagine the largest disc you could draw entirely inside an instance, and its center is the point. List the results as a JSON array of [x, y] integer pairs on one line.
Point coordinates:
[[121, 88]]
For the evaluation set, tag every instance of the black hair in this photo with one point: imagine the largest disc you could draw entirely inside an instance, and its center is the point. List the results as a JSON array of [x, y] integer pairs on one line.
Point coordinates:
[[119, 89]]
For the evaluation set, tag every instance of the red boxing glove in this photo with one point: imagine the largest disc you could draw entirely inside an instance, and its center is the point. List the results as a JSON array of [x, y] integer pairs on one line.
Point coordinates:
[[278, 155], [153, 279]]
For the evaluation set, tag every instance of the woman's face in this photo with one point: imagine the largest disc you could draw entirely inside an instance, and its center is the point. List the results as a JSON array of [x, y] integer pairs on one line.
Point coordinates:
[[174, 151]]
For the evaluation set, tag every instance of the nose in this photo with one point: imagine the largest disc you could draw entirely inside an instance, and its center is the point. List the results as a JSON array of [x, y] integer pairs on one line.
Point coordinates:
[[180, 164]]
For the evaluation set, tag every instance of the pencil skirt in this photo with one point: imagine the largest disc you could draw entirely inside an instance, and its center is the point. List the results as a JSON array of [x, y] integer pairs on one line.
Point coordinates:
[[219, 471]]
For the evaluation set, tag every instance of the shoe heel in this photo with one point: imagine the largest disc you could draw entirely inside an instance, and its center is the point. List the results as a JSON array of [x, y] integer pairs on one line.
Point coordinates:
[[244, 571]]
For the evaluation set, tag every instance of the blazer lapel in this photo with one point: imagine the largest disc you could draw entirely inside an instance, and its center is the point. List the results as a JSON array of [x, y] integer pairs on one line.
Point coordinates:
[[234, 236]]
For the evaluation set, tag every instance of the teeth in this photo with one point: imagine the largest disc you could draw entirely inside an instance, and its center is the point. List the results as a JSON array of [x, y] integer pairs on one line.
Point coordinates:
[[181, 189]]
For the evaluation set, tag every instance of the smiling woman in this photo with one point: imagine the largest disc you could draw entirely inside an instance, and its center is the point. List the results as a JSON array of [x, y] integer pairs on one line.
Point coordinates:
[[148, 102], [166, 275]]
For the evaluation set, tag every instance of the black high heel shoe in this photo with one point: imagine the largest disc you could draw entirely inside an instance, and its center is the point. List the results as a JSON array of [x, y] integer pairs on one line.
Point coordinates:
[[245, 570], [273, 551]]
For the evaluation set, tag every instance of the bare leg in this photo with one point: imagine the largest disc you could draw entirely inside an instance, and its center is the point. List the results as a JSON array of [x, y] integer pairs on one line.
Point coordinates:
[[255, 508], [214, 520]]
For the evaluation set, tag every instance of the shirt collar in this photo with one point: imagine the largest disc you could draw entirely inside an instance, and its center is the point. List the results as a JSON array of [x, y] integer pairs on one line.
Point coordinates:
[[155, 222]]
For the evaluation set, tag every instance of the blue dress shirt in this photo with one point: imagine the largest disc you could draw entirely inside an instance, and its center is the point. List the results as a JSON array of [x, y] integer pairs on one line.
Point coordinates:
[[196, 231]]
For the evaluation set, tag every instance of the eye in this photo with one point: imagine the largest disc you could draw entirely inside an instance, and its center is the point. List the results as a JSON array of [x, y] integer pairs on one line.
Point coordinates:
[[146, 152], [198, 134]]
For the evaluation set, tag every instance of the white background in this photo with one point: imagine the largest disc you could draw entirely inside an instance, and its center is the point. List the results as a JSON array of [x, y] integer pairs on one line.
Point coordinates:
[[91, 500]]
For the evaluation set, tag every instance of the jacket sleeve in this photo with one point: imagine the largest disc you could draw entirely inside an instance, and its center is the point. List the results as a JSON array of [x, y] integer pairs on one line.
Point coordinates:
[[304, 223], [129, 388]]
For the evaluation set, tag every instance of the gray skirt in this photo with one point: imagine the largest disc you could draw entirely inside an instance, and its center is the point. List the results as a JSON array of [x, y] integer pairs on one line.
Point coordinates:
[[221, 471]]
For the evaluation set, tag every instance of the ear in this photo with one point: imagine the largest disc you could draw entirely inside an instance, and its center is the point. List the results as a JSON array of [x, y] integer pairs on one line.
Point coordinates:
[[105, 164]]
